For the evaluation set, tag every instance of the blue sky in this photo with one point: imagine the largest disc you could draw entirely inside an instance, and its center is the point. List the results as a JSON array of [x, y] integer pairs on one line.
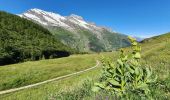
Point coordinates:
[[142, 18]]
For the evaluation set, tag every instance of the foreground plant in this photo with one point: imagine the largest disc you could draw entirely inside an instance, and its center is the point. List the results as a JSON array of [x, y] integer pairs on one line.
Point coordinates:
[[127, 75]]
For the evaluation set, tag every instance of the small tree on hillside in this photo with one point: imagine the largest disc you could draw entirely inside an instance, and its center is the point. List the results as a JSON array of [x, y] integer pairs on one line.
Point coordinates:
[[127, 75]]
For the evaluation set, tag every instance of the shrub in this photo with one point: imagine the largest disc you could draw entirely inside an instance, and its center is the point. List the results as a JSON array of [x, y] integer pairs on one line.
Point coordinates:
[[127, 76]]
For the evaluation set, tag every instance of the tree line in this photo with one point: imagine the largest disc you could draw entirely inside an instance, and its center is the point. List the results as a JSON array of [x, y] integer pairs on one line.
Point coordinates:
[[22, 40]]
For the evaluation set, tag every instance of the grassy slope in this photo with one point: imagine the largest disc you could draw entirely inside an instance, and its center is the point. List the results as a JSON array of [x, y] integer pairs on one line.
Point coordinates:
[[43, 91], [32, 72], [86, 41], [155, 52]]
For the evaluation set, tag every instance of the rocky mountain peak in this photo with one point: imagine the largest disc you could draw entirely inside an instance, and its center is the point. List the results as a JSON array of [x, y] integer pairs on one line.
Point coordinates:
[[71, 23], [76, 16]]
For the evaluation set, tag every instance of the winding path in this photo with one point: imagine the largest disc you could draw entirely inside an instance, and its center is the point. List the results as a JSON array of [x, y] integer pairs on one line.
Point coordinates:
[[47, 81]]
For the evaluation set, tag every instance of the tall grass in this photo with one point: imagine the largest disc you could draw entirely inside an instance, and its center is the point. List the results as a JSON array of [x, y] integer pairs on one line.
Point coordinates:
[[12, 76]]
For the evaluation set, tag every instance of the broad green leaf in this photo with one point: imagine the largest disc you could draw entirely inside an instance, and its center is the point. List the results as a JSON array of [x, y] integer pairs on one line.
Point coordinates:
[[113, 82], [140, 75], [142, 86], [134, 43], [116, 89], [99, 85], [137, 71], [120, 71], [131, 39], [125, 58], [130, 69], [95, 89], [112, 65], [120, 62], [137, 55]]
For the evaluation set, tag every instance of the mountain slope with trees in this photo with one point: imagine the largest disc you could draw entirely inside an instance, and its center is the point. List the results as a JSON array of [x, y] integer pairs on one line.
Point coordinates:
[[22, 40]]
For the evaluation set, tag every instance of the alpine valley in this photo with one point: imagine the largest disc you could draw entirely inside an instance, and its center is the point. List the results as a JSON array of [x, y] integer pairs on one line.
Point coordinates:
[[77, 33]]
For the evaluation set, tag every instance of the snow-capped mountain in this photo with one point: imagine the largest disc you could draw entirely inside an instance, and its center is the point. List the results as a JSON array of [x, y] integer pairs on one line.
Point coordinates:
[[75, 32], [71, 23]]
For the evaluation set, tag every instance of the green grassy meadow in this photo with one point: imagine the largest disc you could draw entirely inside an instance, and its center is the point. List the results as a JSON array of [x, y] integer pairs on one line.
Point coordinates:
[[75, 63], [32, 72], [155, 53]]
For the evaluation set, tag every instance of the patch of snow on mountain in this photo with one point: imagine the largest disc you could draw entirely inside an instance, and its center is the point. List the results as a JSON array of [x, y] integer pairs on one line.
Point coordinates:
[[67, 22], [79, 22], [56, 16], [48, 19], [37, 10], [31, 16]]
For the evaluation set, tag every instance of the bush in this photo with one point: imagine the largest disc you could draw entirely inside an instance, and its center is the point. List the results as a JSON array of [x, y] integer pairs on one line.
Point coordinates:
[[127, 76]]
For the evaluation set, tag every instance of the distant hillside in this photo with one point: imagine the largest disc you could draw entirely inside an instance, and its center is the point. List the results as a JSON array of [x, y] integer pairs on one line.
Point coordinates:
[[77, 33], [160, 38], [159, 47], [22, 40]]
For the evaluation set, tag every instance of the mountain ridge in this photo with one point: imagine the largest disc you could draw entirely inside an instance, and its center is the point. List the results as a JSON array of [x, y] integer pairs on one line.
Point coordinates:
[[76, 32], [55, 19]]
